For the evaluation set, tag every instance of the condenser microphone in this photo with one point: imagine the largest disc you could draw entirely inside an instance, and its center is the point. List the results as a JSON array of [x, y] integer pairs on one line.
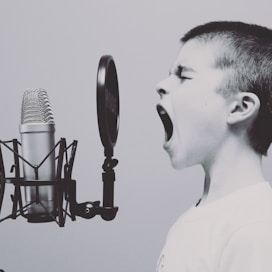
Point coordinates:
[[37, 131], [49, 189]]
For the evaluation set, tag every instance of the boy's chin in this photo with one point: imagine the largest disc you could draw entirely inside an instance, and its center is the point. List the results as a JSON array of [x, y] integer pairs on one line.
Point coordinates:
[[177, 164], [180, 164]]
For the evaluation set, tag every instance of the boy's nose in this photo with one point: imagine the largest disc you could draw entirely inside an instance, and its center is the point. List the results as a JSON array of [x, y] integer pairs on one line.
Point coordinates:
[[161, 88], [162, 92]]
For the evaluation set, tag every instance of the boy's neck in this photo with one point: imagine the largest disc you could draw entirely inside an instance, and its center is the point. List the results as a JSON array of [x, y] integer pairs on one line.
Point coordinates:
[[233, 169]]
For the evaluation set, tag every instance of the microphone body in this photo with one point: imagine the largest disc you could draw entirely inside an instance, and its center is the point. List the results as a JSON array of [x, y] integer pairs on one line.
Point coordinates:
[[37, 131]]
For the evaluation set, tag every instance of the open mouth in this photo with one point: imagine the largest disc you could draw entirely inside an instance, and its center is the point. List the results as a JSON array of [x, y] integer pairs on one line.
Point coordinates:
[[167, 123]]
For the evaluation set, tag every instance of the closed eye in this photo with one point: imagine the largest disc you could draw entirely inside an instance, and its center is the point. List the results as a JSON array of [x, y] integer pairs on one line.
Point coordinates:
[[179, 71], [184, 77]]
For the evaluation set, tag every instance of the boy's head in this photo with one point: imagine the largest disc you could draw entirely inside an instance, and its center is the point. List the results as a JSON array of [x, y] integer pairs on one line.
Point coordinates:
[[246, 56], [220, 65]]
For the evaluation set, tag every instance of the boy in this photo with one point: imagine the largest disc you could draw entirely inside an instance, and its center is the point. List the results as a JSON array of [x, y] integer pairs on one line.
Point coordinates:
[[217, 112]]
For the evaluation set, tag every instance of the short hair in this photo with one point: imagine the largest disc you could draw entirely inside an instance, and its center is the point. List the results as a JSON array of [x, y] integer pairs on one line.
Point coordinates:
[[247, 58]]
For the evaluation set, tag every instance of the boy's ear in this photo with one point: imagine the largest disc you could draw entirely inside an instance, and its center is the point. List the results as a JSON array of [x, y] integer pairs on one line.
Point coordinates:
[[243, 108]]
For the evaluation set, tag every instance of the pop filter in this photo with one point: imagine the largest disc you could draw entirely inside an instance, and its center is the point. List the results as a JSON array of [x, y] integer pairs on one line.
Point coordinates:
[[107, 103]]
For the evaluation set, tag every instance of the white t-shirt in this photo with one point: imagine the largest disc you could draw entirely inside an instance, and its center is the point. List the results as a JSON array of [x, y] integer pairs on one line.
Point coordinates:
[[232, 234]]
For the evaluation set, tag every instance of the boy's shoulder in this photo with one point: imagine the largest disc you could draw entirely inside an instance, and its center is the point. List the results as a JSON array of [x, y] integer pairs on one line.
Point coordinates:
[[228, 214], [252, 204], [205, 236]]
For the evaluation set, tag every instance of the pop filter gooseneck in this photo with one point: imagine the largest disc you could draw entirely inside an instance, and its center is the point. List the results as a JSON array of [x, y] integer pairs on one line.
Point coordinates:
[[108, 123]]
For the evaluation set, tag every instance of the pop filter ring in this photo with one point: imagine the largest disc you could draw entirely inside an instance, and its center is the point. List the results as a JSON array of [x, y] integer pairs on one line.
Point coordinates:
[[107, 103]]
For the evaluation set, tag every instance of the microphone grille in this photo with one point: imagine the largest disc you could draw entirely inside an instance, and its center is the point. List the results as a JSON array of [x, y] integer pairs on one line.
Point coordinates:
[[36, 107]]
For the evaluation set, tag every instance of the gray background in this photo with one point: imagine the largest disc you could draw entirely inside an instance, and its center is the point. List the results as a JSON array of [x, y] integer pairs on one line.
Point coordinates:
[[56, 45]]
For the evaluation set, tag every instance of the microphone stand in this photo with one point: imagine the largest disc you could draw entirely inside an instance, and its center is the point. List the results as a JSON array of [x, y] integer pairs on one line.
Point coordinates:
[[65, 187]]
